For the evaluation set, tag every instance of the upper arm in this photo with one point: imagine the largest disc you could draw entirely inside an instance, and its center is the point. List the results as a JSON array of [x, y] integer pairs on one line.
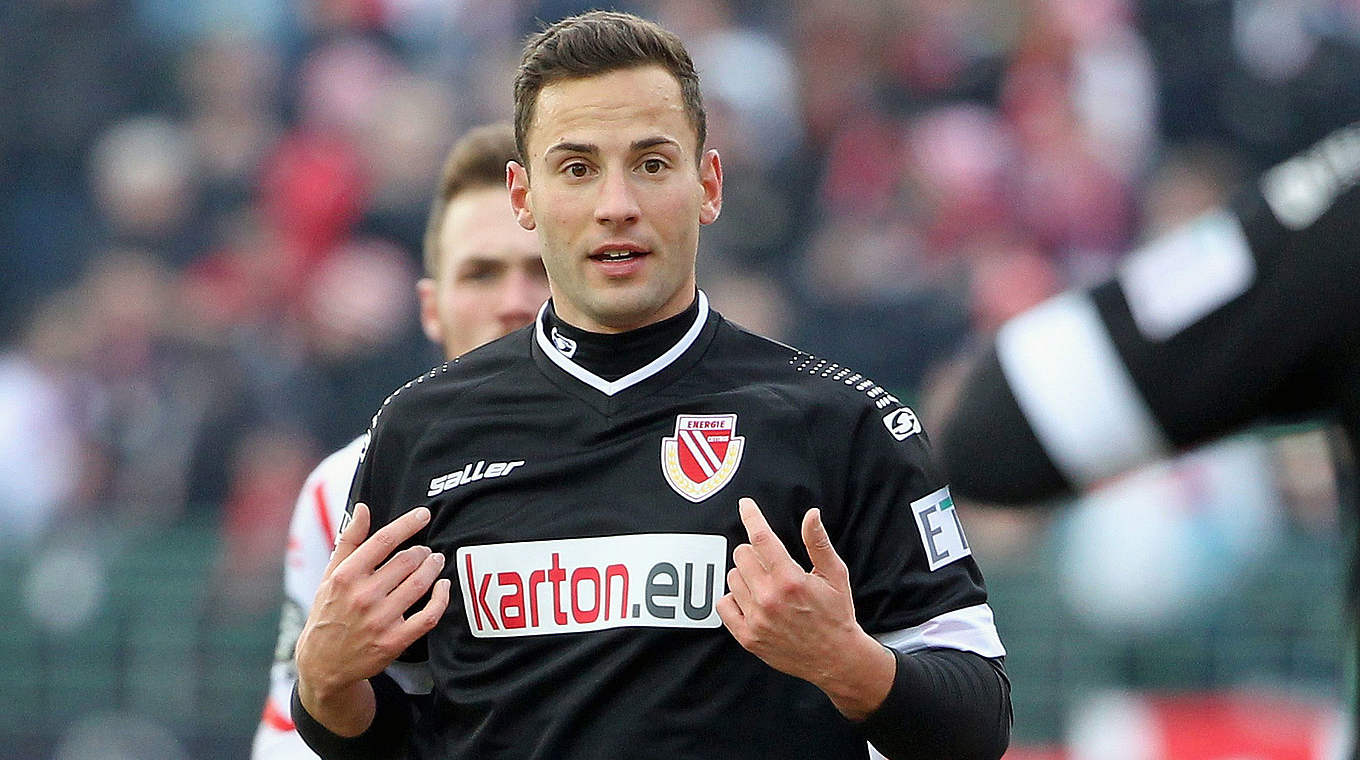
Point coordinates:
[[911, 564], [1240, 315]]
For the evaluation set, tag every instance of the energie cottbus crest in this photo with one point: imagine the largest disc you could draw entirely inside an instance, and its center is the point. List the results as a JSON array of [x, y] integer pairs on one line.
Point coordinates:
[[703, 455]]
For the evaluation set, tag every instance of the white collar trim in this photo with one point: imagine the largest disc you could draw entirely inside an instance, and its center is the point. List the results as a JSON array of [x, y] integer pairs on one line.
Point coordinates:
[[611, 387]]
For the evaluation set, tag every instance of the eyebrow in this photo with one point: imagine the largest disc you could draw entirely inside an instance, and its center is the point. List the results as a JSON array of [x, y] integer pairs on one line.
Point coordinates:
[[479, 260], [591, 148], [652, 142], [571, 147]]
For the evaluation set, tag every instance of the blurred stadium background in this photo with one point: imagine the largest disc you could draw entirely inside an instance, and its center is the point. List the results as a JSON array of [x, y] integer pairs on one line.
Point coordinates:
[[210, 218]]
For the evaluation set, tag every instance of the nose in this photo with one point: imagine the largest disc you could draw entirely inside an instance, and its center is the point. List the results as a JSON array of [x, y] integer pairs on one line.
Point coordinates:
[[616, 203]]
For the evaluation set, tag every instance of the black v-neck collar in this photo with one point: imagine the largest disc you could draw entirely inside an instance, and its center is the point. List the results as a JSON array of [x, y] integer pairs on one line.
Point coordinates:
[[609, 395]]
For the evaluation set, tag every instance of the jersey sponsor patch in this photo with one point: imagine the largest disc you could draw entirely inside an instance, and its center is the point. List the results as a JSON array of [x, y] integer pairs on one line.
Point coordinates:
[[656, 580], [902, 423], [1183, 277], [703, 455], [941, 529]]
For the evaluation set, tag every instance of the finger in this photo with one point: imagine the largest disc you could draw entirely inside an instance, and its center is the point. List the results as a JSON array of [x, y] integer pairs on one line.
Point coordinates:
[[414, 585], [398, 568], [738, 588], [379, 546], [825, 560], [748, 563], [767, 545], [349, 539], [729, 611], [423, 622]]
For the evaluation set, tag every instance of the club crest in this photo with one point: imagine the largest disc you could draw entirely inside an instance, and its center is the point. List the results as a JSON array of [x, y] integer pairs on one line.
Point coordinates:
[[703, 455]]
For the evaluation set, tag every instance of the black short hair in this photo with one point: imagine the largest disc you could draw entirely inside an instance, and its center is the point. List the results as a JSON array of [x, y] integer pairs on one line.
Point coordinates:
[[599, 42]]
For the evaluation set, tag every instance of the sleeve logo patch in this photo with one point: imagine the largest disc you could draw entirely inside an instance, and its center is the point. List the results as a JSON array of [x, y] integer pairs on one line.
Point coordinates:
[[902, 423], [941, 529], [703, 455], [1180, 279]]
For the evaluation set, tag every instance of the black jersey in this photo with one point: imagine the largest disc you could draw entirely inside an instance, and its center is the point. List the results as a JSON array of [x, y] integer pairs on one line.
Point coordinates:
[[589, 526], [1250, 313]]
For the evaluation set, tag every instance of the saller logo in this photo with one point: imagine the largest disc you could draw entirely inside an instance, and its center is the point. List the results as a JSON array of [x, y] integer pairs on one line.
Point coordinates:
[[902, 423], [655, 580], [703, 455], [564, 344], [471, 472]]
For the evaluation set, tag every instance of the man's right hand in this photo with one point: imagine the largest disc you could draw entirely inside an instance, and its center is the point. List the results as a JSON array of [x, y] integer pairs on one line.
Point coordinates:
[[357, 625]]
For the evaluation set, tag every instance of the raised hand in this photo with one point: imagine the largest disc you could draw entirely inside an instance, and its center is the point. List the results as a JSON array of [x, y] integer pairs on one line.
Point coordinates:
[[358, 622], [803, 623]]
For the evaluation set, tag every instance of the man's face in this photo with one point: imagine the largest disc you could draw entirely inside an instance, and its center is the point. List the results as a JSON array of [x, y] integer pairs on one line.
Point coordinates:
[[616, 196], [491, 279]]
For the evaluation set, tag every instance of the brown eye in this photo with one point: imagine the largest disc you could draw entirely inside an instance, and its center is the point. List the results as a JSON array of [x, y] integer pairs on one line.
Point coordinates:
[[653, 165], [577, 170]]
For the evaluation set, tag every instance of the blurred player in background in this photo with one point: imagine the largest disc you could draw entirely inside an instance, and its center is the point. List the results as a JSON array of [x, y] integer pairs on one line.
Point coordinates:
[[1251, 312], [483, 278]]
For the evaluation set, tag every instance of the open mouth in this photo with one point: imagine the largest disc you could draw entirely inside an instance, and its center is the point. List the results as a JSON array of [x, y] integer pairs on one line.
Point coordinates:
[[618, 256]]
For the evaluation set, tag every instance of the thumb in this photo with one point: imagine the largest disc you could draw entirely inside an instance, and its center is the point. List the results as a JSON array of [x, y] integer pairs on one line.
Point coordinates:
[[825, 561]]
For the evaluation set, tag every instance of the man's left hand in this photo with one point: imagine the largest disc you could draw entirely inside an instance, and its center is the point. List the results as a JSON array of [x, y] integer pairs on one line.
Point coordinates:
[[803, 623]]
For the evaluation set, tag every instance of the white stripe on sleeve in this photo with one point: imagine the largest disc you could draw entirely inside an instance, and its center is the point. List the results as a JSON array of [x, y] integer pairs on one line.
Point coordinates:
[[1079, 398], [970, 629]]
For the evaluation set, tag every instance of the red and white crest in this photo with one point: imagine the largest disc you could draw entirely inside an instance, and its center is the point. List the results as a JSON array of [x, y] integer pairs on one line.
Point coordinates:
[[703, 455]]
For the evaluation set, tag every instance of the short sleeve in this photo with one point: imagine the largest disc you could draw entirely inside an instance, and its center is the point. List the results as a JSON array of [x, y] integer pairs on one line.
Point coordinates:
[[911, 565]]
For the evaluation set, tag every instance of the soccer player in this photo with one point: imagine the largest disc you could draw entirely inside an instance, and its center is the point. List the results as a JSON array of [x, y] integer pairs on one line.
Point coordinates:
[[621, 493], [484, 278], [1252, 312]]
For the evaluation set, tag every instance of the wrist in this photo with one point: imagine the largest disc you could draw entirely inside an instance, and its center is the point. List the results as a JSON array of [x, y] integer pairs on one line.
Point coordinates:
[[345, 710], [863, 681]]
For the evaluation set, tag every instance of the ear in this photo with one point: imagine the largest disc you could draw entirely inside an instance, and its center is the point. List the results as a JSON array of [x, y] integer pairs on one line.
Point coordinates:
[[710, 178], [517, 181], [427, 292]]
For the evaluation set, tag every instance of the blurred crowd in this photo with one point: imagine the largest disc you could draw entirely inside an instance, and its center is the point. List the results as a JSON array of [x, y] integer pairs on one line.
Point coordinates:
[[211, 211]]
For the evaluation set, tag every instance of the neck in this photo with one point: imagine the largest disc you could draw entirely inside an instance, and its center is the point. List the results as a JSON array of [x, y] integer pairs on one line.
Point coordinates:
[[612, 355], [684, 300]]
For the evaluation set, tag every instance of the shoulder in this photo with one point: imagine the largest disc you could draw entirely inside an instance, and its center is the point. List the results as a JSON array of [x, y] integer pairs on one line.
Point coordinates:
[[412, 403], [800, 376]]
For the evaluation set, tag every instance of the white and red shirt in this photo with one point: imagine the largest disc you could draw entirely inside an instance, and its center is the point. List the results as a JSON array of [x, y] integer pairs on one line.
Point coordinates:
[[311, 539]]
